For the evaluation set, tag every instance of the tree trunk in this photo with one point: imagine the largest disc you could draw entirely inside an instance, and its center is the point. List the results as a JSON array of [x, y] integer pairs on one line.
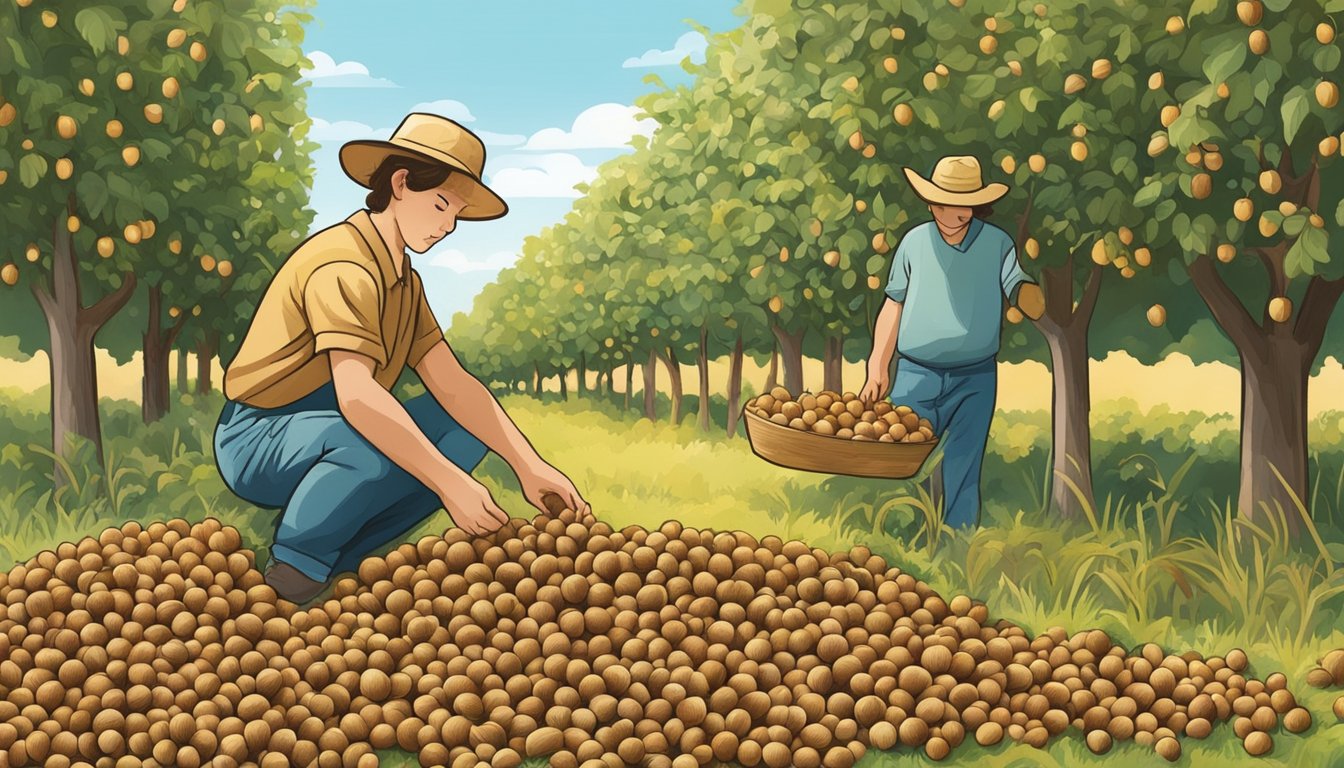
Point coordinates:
[[833, 363], [72, 328], [735, 387], [772, 376], [1065, 329], [791, 355], [673, 365], [583, 374], [564, 383], [537, 370], [157, 344], [651, 385], [206, 347], [182, 371], [629, 381], [702, 361]]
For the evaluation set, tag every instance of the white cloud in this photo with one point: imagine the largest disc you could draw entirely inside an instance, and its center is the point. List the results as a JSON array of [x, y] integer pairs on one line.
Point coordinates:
[[461, 263], [501, 139], [449, 108], [691, 44], [344, 130], [604, 126], [329, 73], [549, 175]]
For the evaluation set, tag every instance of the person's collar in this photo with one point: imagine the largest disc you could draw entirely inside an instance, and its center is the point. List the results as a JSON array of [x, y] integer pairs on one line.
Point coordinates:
[[364, 224], [972, 230]]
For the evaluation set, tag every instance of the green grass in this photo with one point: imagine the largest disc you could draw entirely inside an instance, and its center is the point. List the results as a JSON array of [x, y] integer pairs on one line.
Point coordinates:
[[1164, 558]]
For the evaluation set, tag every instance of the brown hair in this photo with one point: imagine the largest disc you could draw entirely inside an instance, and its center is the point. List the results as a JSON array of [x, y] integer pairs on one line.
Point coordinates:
[[982, 211], [421, 175]]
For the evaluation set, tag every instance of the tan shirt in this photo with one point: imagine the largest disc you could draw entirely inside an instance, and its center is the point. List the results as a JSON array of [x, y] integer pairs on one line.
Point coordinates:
[[338, 290]]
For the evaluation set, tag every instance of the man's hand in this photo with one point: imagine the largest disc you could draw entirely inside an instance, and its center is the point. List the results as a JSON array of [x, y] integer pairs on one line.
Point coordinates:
[[541, 479], [1031, 300], [876, 386], [470, 505]]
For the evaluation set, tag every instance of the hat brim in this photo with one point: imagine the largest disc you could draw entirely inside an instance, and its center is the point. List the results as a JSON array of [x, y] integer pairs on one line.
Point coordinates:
[[359, 160], [932, 193]]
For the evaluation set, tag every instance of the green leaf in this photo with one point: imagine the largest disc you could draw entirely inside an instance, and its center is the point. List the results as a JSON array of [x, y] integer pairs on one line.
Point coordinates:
[[1148, 194], [1326, 58], [1307, 251], [32, 167], [1293, 225], [1224, 62], [1201, 7], [98, 27], [1296, 106], [1334, 6], [19, 57], [92, 192]]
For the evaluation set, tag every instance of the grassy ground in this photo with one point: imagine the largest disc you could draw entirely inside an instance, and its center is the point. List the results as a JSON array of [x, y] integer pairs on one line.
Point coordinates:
[[1163, 559]]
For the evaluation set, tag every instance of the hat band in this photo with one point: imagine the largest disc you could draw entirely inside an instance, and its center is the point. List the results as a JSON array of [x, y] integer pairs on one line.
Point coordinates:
[[461, 165]]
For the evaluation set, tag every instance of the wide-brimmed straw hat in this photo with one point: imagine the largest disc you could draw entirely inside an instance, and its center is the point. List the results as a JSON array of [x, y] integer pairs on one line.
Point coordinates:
[[956, 180], [436, 139]]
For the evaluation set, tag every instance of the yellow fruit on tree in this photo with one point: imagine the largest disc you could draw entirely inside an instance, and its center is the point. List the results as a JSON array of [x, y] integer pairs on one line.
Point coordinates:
[[4, 176], [1032, 247], [989, 44], [218, 126], [1039, 9], [856, 140], [154, 113], [579, 288], [72, 224], [125, 81], [1157, 315], [1259, 42], [776, 304], [1325, 34], [176, 38], [1078, 150], [7, 114], [1008, 164], [756, 271], [814, 227], [1223, 91], [1155, 81], [860, 206], [49, 19], [991, 23], [64, 168], [31, 253], [890, 64], [175, 247], [903, 114], [1243, 209], [1250, 12], [114, 129], [1143, 257], [1127, 272], [1175, 25], [9, 274], [224, 268], [1169, 115], [130, 155], [784, 253], [1126, 235], [196, 312], [179, 6], [1158, 144], [1280, 309], [997, 109], [174, 311], [941, 70], [1079, 131], [171, 87], [147, 228], [1120, 262], [1213, 161], [1328, 146], [197, 51], [66, 127], [874, 283], [807, 293], [880, 242], [1327, 94], [1074, 83], [1101, 69], [1287, 209], [1226, 252], [897, 33], [1013, 315], [123, 45], [132, 233], [86, 87], [1316, 221], [27, 144], [1194, 157], [1201, 186], [832, 258], [850, 84], [1267, 227], [1036, 163], [930, 81], [1100, 255], [106, 247], [1015, 67], [1270, 181]]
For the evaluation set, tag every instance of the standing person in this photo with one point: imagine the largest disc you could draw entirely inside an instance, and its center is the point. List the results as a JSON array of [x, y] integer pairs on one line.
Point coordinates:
[[943, 312], [311, 425]]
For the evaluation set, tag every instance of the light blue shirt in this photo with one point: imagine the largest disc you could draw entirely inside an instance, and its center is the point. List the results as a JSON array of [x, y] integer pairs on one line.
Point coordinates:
[[953, 294]]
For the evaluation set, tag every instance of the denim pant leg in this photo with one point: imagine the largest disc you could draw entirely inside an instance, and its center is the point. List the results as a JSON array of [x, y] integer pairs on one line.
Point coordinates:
[[919, 387], [401, 515], [968, 409]]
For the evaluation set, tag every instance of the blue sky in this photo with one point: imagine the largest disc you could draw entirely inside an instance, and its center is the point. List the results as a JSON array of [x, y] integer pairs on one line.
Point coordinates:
[[549, 86]]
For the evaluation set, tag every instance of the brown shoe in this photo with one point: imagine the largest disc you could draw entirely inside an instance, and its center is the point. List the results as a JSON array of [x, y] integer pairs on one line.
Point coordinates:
[[291, 584]]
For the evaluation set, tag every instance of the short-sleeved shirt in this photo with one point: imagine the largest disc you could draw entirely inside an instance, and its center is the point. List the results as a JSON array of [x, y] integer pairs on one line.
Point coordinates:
[[953, 294], [338, 290]]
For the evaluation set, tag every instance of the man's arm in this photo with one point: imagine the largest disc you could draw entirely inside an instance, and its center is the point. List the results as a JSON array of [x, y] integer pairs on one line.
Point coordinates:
[[382, 420], [1020, 289], [884, 347], [473, 406]]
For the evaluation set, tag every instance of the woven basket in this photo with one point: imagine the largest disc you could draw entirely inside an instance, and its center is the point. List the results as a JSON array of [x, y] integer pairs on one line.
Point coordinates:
[[795, 449]]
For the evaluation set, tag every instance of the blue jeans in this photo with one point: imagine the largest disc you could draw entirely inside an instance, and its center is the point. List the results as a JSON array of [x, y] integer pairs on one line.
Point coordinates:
[[960, 403], [342, 498]]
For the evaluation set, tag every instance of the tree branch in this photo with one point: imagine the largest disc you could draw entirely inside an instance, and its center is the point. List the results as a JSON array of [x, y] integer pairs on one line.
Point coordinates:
[[170, 336], [1227, 309], [1318, 304], [1025, 218], [1091, 291], [103, 310], [1271, 258]]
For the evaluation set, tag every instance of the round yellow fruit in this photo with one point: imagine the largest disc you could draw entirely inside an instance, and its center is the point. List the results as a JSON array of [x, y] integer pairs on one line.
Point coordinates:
[[207, 262], [4, 176], [1287, 208], [776, 304], [176, 38], [1201, 186], [130, 155], [814, 227], [1194, 157], [1126, 235], [66, 127], [1099, 253], [1227, 252], [125, 81], [174, 311], [1015, 67], [179, 6], [1039, 9], [1243, 209], [147, 228], [7, 114], [197, 51], [154, 113], [1169, 115], [850, 84], [1325, 34], [1158, 144], [1074, 83], [997, 109], [1259, 42], [114, 129], [880, 242], [860, 206], [1008, 164], [897, 33], [870, 151], [890, 64], [1280, 309], [1036, 163], [196, 312], [1078, 150], [86, 87], [1079, 131], [941, 70], [832, 258], [72, 224], [65, 168], [930, 81], [174, 246], [1213, 161], [1157, 315], [856, 140], [132, 233], [1032, 247], [1223, 91], [9, 274], [874, 283], [106, 247], [1013, 315], [49, 19], [1267, 227], [171, 87], [27, 144], [123, 45], [1327, 94], [1127, 272], [991, 23], [1175, 25], [989, 44], [1328, 146], [1143, 257], [1155, 81], [1250, 12], [784, 254], [903, 114], [1101, 69], [218, 127], [31, 253], [1316, 221], [1270, 181]]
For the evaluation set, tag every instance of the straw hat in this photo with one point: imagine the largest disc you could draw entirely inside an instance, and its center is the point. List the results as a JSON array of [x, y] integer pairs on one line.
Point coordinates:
[[436, 139], [956, 180]]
